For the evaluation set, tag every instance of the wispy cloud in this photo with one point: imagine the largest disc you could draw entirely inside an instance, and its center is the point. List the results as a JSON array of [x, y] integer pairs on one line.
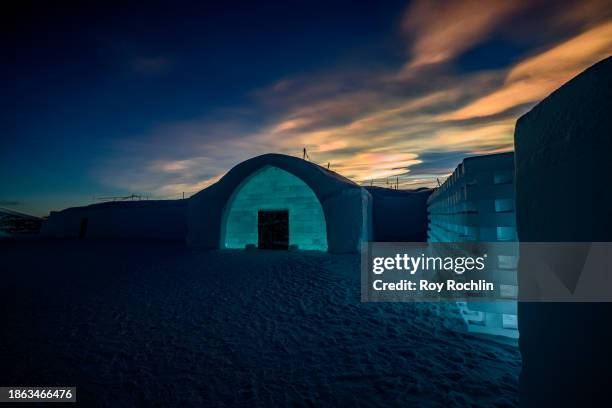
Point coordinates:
[[536, 77], [440, 30], [177, 157], [415, 120]]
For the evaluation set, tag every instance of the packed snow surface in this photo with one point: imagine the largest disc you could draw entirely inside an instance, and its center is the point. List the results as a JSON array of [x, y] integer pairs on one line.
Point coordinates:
[[156, 324]]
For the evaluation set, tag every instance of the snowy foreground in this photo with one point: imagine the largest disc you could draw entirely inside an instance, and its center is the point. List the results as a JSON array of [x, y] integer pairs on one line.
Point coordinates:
[[157, 324]]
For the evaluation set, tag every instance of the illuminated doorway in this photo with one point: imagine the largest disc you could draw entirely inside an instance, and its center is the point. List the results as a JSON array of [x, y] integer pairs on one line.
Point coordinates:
[[268, 190]]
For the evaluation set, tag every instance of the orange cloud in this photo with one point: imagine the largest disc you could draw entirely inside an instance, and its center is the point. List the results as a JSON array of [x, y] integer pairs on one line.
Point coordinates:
[[441, 30], [291, 124], [494, 137], [536, 77], [173, 166], [371, 165], [175, 190]]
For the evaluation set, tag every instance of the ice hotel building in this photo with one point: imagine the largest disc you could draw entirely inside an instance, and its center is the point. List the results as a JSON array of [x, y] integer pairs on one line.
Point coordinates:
[[276, 201]]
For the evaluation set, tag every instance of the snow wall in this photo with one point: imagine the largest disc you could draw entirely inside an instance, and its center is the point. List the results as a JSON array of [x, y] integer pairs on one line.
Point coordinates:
[[563, 194], [476, 203], [150, 219], [347, 207], [399, 215]]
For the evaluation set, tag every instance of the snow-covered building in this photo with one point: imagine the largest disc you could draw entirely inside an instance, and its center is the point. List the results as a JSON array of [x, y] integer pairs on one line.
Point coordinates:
[[156, 219], [272, 201], [476, 204], [14, 223], [275, 200]]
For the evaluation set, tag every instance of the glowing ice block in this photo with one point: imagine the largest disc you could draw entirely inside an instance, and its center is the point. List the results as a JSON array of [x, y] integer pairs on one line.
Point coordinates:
[[272, 188]]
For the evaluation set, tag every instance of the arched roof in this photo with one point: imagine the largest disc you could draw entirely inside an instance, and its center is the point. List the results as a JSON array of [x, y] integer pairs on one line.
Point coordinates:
[[323, 182]]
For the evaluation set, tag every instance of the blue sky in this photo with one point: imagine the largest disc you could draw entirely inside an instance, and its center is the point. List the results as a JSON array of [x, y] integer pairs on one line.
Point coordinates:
[[115, 99]]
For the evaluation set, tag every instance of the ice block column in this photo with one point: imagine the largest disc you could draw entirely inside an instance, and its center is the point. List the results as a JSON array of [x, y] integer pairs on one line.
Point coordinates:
[[476, 203]]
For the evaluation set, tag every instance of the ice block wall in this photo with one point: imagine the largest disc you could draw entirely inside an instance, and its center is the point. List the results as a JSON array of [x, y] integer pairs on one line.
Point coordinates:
[[563, 194], [476, 203]]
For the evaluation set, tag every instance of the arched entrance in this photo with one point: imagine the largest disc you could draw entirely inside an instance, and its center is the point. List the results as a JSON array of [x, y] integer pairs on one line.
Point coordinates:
[[273, 208]]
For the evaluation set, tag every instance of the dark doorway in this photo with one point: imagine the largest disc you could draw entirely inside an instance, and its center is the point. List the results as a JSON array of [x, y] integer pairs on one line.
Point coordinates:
[[273, 229], [83, 230]]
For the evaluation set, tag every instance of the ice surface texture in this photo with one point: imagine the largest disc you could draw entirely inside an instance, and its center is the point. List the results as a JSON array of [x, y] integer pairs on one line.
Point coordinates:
[[271, 188], [563, 189]]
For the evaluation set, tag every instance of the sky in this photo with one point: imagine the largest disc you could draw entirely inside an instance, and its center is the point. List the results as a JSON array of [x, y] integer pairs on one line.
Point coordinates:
[[117, 99]]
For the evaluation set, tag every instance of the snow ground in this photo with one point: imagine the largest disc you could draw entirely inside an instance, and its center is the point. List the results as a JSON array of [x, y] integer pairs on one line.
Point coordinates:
[[157, 324]]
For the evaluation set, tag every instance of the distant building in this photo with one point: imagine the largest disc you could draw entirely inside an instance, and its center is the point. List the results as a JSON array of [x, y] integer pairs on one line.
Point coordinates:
[[13, 223], [140, 219]]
